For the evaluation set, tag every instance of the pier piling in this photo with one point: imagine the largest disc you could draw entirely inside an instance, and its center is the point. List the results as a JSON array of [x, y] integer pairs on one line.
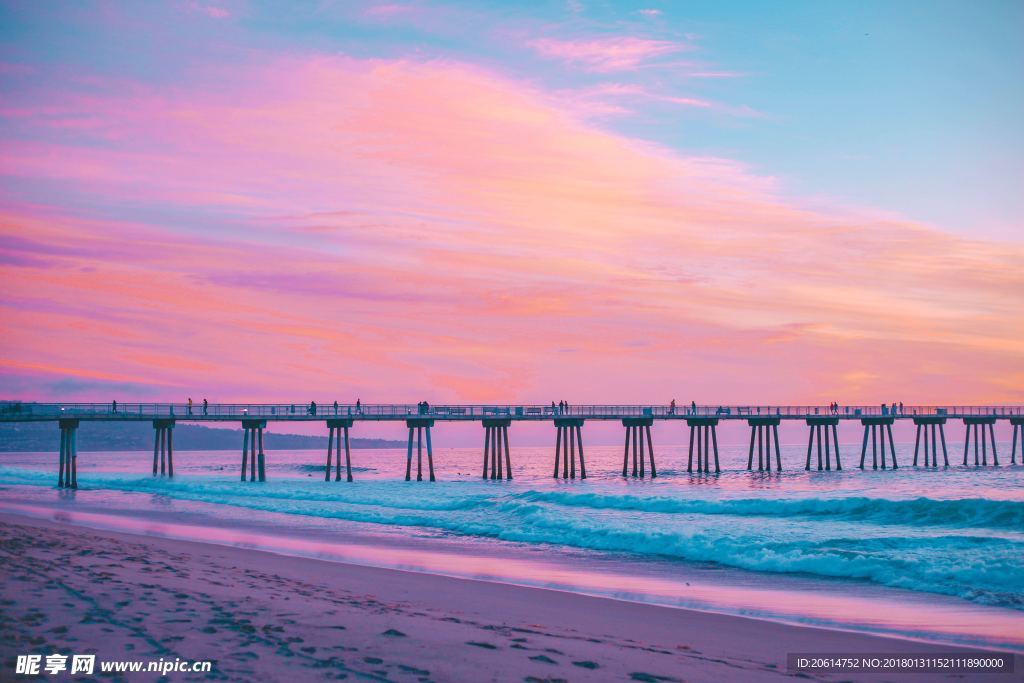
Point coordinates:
[[330, 448], [930, 430], [63, 450], [637, 431], [67, 474], [261, 456], [495, 444], [987, 428], [339, 428], [73, 434], [877, 428], [1018, 437], [705, 431], [765, 431], [497, 470], [416, 428], [820, 427], [487, 449], [252, 449], [163, 448], [496, 440], [245, 452], [570, 434], [638, 459]]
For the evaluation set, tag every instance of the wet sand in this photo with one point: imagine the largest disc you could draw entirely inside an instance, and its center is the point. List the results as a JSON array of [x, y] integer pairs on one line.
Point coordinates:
[[261, 616]]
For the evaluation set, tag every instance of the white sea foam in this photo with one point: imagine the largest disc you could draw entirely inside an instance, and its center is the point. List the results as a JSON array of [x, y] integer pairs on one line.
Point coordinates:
[[969, 547]]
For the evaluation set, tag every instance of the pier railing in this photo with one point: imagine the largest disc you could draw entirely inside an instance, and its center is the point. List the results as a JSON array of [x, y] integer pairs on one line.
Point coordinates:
[[16, 411]]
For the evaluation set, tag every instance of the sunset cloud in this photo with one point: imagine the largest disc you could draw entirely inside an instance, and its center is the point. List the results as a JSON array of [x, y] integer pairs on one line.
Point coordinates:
[[292, 216]]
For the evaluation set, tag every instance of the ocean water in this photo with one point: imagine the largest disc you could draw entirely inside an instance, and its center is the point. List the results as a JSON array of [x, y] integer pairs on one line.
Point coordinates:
[[935, 554]]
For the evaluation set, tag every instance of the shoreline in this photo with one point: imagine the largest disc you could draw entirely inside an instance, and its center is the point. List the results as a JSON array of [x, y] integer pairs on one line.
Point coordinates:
[[278, 521], [477, 625], [710, 590]]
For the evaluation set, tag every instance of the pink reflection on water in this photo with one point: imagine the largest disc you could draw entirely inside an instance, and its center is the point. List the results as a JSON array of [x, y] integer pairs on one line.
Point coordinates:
[[927, 618]]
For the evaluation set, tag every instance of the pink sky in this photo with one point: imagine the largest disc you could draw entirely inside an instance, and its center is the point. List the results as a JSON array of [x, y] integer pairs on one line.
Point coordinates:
[[396, 228]]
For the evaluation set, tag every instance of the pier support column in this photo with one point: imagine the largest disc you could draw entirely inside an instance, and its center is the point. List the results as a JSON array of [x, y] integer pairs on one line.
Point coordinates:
[[262, 460], [416, 427], [1018, 437], [705, 431], [339, 428], [765, 431], [496, 441], [163, 448], [930, 430], [67, 474], [821, 426], [877, 428], [987, 427], [252, 441], [63, 452], [637, 430], [570, 434]]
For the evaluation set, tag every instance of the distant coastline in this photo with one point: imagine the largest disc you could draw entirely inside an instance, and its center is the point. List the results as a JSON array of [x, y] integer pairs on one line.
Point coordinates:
[[138, 436]]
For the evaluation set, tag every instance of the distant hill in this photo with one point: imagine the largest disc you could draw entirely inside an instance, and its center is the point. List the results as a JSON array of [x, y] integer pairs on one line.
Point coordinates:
[[138, 436]]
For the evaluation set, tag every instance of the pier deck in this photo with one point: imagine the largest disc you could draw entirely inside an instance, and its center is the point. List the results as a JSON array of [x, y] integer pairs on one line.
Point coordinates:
[[397, 412]]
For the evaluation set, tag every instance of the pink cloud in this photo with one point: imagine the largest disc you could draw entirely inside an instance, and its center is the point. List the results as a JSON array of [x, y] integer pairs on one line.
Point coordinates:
[[212, 11], [387, 10], [616, 53], [613, 99], [490, 246]]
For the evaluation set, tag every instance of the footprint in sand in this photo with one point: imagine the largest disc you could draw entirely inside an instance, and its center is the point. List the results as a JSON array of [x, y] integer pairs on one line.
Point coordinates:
[[414, 670], [650, 678]]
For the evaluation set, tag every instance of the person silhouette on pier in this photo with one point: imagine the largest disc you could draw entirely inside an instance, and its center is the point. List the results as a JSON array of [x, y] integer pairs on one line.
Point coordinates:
[[359, 406], [114, 404], [901, 407], [672, 407], [693, 407], [335, 407], [312, 407], [206, 406], [189, 405]]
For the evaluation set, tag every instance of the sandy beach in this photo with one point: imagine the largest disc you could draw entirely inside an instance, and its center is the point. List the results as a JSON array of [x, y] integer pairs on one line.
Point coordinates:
[[261, 616]]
